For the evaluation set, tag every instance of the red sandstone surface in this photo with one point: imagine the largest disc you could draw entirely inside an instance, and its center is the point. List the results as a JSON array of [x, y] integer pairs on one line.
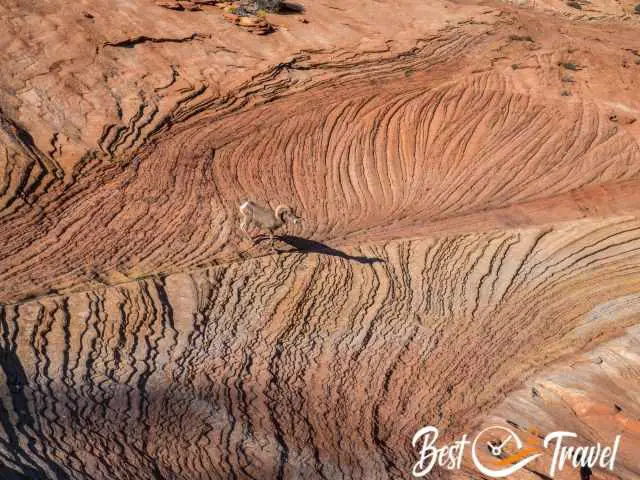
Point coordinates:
[[468, 173]]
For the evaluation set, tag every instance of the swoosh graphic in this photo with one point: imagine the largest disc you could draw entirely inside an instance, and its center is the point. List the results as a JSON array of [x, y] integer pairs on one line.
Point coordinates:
[[504, 472], [525, 452]]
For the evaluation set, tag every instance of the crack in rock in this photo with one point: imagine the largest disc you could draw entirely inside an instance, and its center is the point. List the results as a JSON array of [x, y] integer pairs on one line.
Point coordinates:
[[132, 42]]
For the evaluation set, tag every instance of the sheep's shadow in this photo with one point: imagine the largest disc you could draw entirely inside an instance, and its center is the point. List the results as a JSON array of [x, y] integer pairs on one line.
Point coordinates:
[[300, 244]]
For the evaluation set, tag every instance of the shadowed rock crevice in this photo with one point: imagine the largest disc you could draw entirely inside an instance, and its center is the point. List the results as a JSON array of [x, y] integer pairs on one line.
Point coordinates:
[[132, 42]]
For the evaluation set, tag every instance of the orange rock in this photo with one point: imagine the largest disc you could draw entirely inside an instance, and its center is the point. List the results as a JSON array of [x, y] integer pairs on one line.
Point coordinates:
[[254, 24]]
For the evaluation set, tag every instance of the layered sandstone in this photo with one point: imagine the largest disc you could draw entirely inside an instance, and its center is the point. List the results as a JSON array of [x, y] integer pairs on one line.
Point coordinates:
[[468, 175]]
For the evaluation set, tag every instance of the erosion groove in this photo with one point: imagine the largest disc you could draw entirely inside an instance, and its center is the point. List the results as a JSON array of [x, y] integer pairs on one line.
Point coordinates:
[[469, 182], [132, 42]]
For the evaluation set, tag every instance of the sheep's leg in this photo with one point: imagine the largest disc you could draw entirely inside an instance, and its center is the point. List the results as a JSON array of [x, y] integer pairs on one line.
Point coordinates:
[[244, 225], [272, 241]]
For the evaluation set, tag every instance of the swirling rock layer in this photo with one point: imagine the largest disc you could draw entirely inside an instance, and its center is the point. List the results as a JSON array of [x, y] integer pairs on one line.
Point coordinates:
[[230, 371], [468, 178]]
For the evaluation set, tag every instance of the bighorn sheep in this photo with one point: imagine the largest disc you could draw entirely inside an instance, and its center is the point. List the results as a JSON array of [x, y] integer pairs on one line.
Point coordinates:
[[265, 218]]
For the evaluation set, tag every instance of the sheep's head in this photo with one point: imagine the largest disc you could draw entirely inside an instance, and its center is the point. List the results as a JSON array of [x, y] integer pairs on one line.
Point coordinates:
[[285, 214], [294, 218]]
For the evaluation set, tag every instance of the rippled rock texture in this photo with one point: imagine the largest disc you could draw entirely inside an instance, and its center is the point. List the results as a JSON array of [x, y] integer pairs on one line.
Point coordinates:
[[469, 179]]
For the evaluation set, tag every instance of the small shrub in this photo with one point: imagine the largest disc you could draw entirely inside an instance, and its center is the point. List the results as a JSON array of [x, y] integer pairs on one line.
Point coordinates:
[[239, 10], [636, 9], [261, 13], [518, 38], [574, 4], [565, 93], [570, 66], [568, 79], [515, 66]]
